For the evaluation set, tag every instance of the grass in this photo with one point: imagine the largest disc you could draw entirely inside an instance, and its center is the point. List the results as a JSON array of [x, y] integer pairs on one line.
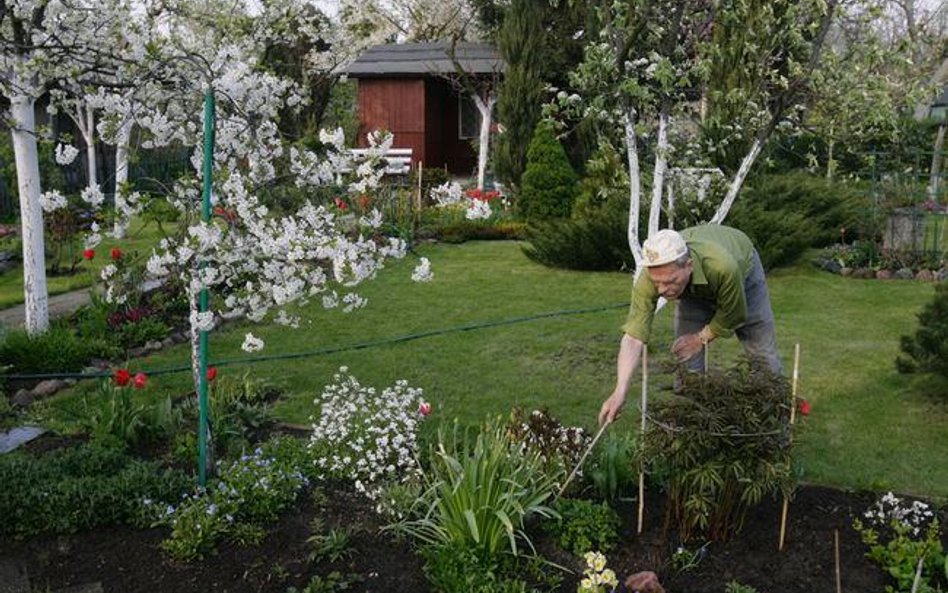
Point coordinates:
[[870, 427], [139, 240]]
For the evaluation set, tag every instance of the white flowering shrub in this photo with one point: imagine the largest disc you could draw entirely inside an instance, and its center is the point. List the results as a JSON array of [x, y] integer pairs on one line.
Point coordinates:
[[900, 535], [366, 436]]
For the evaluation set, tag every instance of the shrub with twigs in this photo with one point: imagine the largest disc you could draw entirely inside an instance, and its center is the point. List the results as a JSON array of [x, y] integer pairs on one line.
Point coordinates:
[[718, 446]]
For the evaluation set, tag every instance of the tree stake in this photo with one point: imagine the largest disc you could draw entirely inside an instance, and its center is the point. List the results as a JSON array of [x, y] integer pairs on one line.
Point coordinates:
[[642, 434], [793, 409]]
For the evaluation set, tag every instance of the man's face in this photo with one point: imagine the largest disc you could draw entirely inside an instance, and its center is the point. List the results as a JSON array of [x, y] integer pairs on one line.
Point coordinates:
[[670, 279]]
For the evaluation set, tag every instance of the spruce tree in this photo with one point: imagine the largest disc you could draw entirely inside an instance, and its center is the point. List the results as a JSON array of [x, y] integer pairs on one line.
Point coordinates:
[[549, 183]]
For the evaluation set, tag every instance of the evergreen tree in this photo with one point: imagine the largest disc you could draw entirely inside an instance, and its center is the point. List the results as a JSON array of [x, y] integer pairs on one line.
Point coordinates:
[[549, 181], [521, 44]]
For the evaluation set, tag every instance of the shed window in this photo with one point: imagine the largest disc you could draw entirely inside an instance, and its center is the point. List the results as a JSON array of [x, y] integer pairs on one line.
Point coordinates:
[[469, 118]]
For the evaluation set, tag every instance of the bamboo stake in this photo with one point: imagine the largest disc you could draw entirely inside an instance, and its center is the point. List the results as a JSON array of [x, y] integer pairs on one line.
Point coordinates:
[[918, 574], [581, 460], [642, 434], [839, 582], [793, 415]]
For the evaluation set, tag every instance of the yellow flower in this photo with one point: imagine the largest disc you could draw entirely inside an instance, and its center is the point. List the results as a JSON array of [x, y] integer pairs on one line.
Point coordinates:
[[585, 585], [599, 562], [608, 577]]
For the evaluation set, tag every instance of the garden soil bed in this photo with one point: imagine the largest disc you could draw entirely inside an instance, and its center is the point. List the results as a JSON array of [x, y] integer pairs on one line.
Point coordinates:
[[127, 561]]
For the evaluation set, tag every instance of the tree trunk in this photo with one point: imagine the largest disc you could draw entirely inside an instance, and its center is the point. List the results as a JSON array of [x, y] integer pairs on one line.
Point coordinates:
[[88, 135], [122, 139], [738, 181], [830, 165], [35, 293], [658, 176], [486, 109], [934, 184], [635, 189]]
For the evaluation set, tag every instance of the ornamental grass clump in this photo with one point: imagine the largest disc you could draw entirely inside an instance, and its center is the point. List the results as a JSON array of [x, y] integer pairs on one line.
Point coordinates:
[[479, 490], [365, 436], [718, 446]]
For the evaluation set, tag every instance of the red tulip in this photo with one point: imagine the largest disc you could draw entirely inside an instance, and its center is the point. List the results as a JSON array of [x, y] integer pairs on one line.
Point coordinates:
[[116, 254], [211, 373], [340, 203], [424, 408], [140, 380], [122, 377], [88, 253], [804, 407]]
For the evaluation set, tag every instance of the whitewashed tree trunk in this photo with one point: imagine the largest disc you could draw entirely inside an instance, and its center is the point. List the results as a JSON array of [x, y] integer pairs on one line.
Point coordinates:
[[738, 181], [658, 175], [635, 188], [89, 137], [23, 132], [934, 184], [486, 109], [122, 139]]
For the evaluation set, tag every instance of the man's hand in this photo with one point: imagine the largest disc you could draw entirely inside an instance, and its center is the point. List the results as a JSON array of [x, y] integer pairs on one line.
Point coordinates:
[[611, 408], [687, 347]]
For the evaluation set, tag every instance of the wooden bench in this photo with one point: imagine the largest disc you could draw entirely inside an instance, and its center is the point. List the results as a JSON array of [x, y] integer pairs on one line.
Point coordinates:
[[397, 160]]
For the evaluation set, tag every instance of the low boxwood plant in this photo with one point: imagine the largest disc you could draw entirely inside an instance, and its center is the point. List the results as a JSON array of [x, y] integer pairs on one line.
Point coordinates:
[[583, 525], [82, 487]]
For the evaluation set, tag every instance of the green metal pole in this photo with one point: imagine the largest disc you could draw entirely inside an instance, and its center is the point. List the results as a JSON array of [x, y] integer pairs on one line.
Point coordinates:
[[203, 303]]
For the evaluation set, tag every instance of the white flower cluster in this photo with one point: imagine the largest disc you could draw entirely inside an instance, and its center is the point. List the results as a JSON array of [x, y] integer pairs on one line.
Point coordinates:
[[52, 200], [450, 194], [251, 343], [478, 210], [365, 436], [66, 153], [890, 509], [422, 272]]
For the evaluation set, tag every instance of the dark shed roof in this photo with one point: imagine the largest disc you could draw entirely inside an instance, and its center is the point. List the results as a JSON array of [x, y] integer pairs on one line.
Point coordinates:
[[411, 59]]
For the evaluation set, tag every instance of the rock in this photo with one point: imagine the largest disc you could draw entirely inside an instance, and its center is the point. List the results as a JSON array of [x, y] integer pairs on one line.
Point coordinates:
[[845, 271], [136, 352], [18, 436], [904, 274], [884, 275], [153, 345], [7, 256], [941, 275], [179, 337], [925, 275], [863, 273], [47, 388], [644, 582], [98, 364], [167, 342], [22, 398], [832, 266]]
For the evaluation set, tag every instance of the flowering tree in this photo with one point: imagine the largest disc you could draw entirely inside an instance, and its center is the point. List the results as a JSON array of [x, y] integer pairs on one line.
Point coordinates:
[[663, 69]]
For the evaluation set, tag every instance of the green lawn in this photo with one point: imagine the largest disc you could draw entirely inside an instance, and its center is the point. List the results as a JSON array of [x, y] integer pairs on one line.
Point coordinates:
[[140, 239], [870, 427]]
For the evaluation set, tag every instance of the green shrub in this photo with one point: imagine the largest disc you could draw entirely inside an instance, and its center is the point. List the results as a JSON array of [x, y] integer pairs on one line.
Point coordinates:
[[457, 568], [719, 446], [583, 525], [787, 214], [927, 350], [548, 185], [57, 350], [596, 241], [613, 469], [82, 487]]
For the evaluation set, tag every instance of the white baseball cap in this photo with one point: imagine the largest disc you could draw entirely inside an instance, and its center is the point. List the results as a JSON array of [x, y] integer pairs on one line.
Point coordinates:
[[663, 247]]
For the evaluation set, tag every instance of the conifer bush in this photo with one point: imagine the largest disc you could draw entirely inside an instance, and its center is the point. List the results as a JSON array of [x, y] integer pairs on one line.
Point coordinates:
[[927, 350], [549, 184]]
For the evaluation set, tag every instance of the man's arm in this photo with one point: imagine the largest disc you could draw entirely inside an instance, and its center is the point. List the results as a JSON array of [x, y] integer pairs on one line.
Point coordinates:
[[630, 352]]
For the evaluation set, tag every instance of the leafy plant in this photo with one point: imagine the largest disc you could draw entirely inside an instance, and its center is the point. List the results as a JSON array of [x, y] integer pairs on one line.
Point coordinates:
[[613, 467], [736, 587], [684, 560], [719, 446], [455, 567], [57, 350], [559, 447], [331, 546], [583, 525], [900, 536], [927, 350], [479, 490], [332, 582], [114, 416]]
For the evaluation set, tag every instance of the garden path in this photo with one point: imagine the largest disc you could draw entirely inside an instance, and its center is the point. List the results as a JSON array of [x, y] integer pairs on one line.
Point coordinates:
[[59, 305]]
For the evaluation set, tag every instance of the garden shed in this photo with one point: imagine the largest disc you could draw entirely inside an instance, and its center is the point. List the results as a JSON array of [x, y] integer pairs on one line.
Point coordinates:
[[411, 90]]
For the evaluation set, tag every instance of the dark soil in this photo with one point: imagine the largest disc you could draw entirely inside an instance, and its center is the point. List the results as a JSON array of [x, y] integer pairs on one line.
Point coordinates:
[[126, 561]]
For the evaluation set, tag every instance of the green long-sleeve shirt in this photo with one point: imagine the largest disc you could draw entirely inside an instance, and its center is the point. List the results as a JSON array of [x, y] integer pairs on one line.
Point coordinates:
[[721, 258]]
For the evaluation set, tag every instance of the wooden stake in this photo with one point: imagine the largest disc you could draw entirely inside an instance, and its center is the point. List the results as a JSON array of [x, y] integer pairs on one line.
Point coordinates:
[[918, 574], [793, 409], [839, 582], [642, 434]]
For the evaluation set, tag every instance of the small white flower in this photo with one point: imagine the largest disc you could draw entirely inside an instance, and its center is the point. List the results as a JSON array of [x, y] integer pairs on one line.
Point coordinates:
[[422, 272], [251, 343], [66, 153]]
